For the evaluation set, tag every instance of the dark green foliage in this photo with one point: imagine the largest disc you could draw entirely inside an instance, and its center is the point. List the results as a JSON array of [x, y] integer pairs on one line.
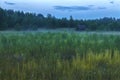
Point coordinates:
[[17, 20]]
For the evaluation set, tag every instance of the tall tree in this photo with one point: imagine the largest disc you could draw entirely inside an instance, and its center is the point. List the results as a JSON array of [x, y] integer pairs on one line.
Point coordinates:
[[71, 22]]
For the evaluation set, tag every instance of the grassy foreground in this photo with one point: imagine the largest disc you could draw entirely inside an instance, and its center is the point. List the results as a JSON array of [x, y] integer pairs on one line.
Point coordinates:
[[59, 56]]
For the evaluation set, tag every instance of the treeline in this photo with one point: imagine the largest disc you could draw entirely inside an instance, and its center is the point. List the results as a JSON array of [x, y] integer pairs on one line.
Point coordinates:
[[16, 20]]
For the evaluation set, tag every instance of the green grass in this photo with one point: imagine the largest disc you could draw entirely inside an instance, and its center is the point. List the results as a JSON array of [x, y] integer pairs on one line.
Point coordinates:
[[59, 56]]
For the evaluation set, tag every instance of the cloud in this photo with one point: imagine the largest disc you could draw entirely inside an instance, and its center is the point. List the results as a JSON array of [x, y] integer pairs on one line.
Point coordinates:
[[9, 3], [72, 8], [78, 8], [111, 2], [91, 5], [101, 8]]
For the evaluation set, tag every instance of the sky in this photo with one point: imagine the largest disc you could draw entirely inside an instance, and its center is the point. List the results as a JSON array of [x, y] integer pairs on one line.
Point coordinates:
[[79, 9]]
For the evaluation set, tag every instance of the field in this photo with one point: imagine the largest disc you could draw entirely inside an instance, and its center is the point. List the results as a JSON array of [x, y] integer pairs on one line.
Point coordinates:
[[59, 56]]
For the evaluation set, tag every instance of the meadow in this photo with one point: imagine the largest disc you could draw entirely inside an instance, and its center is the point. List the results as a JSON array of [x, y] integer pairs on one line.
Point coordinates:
[[59, 56]]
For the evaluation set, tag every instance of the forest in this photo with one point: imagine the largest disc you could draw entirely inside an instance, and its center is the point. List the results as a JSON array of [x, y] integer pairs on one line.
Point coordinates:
[[19, 20]]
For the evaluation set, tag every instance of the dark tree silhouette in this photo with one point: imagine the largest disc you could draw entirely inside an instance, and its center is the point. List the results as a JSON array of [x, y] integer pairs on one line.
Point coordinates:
[[17, 20]]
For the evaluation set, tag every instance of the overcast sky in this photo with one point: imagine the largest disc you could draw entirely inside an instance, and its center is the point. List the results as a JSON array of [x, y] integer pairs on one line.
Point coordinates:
[[79, 9]]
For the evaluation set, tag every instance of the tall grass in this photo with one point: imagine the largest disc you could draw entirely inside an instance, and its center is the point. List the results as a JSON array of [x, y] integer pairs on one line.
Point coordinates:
[[59, 56]]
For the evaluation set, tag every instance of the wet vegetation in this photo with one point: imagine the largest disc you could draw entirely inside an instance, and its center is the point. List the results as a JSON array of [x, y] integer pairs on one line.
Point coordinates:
[[59, 56]]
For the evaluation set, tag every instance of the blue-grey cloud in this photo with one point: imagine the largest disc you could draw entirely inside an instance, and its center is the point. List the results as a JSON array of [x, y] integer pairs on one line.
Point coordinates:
[[9, 3], [91, 5], [72, 8], [111, 2], [78, 8], [101, 8]]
